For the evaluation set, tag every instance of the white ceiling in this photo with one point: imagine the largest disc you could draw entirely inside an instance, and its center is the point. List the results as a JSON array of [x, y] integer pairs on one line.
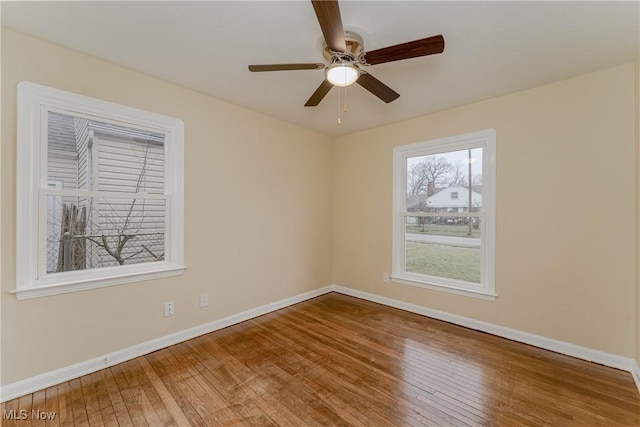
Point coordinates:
[[491, 48]]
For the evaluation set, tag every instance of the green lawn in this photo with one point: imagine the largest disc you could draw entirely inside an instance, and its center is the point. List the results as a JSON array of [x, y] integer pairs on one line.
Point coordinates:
[[443, 230], [453, 262]]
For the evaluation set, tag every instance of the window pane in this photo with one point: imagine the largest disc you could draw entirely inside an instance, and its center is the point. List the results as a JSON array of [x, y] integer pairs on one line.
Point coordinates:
[[444, 247], [440, 182], [87, 233], [99, 156], [62, 152], [54, 224], [129, 166]]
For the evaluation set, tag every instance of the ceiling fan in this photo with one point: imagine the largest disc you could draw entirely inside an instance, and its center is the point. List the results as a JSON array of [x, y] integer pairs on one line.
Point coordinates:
[[347, 59]]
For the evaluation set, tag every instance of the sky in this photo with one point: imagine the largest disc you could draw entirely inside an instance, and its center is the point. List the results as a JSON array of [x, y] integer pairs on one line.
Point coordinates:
[[455, 158]]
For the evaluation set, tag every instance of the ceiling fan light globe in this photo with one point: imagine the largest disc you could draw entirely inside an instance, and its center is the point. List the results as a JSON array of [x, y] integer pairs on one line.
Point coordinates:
[[342, 74]]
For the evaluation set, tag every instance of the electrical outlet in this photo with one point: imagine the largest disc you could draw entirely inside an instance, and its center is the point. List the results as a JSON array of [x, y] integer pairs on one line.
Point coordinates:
[[169, 309], [204, 299], [385, 277]]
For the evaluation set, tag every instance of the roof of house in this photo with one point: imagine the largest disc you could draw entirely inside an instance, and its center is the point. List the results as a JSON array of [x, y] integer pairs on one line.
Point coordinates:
[[61, 133], [414, 200], [129, 132]]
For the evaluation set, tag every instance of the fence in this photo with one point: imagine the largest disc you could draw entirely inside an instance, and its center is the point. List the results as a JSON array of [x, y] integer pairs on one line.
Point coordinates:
[[73, 249]]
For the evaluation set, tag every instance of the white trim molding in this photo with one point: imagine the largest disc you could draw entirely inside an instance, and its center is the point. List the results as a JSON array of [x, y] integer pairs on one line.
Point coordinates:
[[403, 155], [48, 379], [452, 289], [579, 352], [35, 105], [635, 372]]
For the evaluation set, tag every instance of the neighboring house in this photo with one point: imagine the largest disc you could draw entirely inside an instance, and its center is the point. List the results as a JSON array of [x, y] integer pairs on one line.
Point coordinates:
[[452, 199], [62, 151], [62, 166], [417, 202], [90, 155]]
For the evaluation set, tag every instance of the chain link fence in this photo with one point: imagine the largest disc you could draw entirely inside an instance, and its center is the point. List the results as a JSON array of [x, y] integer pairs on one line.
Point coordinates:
[[70, 247]]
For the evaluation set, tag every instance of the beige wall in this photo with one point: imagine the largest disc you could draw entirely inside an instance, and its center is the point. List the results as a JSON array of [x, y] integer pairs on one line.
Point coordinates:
[[258, 197], [270, 207], [637, 92], [565, 257]]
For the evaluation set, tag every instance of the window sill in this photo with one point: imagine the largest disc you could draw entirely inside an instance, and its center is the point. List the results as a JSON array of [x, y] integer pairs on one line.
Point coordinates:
[[86, 284], [474, 293]]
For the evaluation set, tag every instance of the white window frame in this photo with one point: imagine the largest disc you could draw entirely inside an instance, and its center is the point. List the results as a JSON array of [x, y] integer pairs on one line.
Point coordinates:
[[485, 139], [34, 102]]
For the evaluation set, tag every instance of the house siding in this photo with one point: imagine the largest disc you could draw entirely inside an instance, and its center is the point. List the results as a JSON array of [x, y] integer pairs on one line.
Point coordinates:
[[83, 135], [90, 155], [129, 165], [62, 154], [62, 167]]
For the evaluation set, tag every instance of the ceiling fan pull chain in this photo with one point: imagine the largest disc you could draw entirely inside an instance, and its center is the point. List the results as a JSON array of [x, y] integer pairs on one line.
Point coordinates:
[[339, 105], [345, 92], [345, 100]]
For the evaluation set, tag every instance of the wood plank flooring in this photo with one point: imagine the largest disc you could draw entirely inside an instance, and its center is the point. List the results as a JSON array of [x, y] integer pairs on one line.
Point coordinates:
[[340, 361]]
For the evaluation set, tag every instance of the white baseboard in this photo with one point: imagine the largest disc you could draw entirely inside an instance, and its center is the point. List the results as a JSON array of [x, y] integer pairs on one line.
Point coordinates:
[[635, 372], [589, 354], [48, 379]]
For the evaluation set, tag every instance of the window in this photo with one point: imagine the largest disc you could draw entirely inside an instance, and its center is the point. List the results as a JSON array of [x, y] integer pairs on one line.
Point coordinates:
[[444, 214], [100, 193]]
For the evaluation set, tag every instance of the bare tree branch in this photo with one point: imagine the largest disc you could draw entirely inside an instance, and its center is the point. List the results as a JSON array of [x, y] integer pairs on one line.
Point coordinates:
[[157, 257], [458, 175], [431, 170], [123, 225]]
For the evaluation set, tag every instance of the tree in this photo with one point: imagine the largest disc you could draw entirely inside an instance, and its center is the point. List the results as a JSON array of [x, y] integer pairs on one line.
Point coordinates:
[[416, 181], [422, 207], [458, 175], [431, 170], [436, 169]]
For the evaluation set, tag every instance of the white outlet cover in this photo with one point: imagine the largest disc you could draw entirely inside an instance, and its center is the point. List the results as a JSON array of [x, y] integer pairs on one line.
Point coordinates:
[[169, 309], [204, 300]]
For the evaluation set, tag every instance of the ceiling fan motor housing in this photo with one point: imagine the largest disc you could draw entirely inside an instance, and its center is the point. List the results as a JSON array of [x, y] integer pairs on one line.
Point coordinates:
[[344, 51], [355, 48]]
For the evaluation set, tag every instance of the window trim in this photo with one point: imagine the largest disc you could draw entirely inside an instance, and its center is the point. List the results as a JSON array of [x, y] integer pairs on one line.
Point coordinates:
[[485, 139], [34, 101]]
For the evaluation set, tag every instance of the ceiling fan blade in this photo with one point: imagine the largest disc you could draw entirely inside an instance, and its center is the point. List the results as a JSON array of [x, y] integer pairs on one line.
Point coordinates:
[[319, 94], [414, 49], [285, 67], [328, 14], [377, 88]]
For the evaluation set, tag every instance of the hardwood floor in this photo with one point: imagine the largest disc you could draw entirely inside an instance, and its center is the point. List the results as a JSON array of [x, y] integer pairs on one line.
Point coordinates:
[[338, 360]]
